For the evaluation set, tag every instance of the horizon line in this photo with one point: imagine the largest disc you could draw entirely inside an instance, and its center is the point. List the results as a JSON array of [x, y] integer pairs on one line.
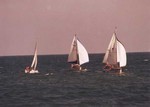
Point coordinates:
[[62, 54]]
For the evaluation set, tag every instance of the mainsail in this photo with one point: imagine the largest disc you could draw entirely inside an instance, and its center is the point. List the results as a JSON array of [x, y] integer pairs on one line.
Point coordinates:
[[34, 62], [72, 58], [78, 53], [115, 53], [110, 56]]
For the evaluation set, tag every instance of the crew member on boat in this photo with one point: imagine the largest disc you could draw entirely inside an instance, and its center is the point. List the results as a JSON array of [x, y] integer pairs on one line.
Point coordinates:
[[76, 66], [27, 69], [107, 67], [30, 70]]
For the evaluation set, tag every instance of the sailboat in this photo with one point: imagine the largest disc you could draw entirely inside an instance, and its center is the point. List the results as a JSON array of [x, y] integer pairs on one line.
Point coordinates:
[[33, 69], [78, 55], [115, 57]]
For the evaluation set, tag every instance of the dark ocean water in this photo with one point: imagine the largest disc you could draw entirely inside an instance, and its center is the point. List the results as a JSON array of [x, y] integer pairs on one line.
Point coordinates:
[[65, 88]]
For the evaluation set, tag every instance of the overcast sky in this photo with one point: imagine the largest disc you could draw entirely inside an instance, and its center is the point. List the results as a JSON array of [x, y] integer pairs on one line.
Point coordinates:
[[53, 23]]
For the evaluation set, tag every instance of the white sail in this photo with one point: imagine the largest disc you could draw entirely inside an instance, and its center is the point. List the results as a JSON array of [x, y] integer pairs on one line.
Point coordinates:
[[121, 55], [78, 53], [109, 51], [115, 53], [83, 54], [73, 51], [34, 62]]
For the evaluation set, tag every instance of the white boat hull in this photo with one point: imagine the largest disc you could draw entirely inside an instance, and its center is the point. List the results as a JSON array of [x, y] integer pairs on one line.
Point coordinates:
[[32, 71]]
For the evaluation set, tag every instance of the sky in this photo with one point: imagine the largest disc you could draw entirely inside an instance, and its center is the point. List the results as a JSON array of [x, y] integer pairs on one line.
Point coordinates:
[[53, 24]]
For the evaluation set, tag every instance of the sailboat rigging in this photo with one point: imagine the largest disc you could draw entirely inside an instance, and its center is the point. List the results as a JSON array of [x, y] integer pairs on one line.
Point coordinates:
[[33, 69], [78, 55], [115, 57]]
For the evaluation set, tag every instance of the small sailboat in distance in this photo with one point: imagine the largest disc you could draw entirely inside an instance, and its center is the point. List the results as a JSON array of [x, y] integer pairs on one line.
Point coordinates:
[[115, 57], [33, 69], [78, 55]]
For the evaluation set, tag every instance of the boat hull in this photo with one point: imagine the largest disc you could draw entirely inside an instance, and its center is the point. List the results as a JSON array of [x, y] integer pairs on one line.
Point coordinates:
[[32, 71]]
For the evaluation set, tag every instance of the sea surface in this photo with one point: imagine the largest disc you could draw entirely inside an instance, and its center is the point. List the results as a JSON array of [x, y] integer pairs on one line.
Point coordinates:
[[58, 86]]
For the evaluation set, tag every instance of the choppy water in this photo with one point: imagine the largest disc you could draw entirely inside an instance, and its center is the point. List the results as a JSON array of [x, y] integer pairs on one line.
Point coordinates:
[[64, 88]]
